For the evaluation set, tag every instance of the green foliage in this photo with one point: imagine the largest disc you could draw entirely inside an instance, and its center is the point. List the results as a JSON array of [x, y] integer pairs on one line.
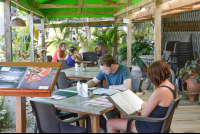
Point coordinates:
[[138, 36], [3, 121], [61, 32], [191, 66], [140, 47], [107, 36]]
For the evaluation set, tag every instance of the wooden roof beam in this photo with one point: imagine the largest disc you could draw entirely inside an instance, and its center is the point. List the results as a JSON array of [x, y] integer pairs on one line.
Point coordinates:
[[81, 24], [43, 6], [110, 1], [178, 5], [88, 12], [27, 7], [80, 5]]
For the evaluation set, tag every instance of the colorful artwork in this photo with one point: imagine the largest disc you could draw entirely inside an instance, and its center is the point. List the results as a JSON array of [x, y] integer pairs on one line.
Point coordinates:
[[37, 77]]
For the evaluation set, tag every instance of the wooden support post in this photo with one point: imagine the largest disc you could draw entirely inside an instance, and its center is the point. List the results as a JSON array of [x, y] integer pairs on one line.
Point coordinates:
[[8, 31], [115, 41], [31, 30], [157, 30], [129, 41], [20, 104], [43, 41]]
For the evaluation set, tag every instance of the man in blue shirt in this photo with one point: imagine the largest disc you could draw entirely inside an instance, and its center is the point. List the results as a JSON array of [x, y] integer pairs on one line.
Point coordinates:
[[117, 77]]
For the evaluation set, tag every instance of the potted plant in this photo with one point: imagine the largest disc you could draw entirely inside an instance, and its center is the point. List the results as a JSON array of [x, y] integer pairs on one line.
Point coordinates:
[[190, 75], [139, 47]]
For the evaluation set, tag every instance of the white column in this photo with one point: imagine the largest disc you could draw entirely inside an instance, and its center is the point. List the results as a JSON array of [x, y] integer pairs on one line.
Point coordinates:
[[157, 30], [8, 31], [129, 41], [31, 31], [43, 41]]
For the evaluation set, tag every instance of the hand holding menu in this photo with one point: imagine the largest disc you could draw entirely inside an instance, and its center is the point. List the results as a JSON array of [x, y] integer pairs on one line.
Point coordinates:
[[126, 102]]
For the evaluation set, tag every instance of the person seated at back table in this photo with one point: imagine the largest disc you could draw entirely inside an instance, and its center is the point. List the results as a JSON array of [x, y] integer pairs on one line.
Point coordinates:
[[117, 77], [157, 106], [101, 48], [60, 53], [72, 57]]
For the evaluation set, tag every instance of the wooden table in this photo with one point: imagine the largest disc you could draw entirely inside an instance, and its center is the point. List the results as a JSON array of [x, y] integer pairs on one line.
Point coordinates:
[[89, 74], [76, 104]]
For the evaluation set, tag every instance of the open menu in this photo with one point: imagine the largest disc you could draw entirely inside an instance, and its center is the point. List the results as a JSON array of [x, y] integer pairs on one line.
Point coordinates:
[[126, 102], [27, 77]]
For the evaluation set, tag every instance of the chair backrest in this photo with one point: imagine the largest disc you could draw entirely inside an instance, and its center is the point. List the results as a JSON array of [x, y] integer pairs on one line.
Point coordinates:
[[89, 56], [136, 83], [46, 117], [184, 52], [167, 123], [169, 46], [62, 82], [49, 58], [64, 64]]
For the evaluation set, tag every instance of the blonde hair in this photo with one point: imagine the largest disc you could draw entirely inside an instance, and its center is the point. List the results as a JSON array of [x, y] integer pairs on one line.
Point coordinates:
[[61, 44]]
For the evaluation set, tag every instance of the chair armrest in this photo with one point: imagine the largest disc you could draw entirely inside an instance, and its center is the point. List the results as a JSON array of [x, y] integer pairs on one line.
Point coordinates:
[[172, 62], [140, 118], [67, 121], [85, 116]]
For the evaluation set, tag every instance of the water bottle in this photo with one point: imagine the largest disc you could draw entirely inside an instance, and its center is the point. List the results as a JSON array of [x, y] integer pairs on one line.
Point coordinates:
[[76, 67]]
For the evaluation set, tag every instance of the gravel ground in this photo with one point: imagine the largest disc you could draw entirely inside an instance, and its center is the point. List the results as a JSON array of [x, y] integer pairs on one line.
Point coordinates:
[[30, 121]]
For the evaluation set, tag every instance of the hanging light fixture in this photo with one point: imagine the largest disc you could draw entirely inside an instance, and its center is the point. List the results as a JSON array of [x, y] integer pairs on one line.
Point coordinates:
[[18, 22]]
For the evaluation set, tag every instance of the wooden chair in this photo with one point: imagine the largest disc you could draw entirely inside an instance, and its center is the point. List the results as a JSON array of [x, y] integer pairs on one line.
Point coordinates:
[[49, 58], [48, 122], [166, 120]]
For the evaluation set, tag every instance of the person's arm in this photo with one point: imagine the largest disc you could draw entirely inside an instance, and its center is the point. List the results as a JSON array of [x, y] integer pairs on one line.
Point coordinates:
[[66, 57], [79, 57], [148, 107], [93, 82], [125, 86], [58, 55]]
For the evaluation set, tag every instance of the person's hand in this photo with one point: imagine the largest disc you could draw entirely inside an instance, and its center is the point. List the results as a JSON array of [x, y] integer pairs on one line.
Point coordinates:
[[96, 48], [139, 113], [144, 104], [111, 87]]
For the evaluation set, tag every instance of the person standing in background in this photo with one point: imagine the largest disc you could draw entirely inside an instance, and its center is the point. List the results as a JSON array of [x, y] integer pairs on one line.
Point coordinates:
[[124, 39], [60, 53]]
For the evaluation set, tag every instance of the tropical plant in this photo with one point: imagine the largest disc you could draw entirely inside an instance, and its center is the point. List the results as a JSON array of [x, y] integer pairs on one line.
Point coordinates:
[[108, 36], [61, 32], [139, 47], [3, 120], [191, 66]]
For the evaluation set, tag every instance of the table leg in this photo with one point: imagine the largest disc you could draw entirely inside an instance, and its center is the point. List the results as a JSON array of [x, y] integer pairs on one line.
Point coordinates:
[[95, 124], [20, 104], [82, 122]]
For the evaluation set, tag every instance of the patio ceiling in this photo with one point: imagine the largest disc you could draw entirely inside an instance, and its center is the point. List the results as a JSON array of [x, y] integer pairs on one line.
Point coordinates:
[[73, 8]]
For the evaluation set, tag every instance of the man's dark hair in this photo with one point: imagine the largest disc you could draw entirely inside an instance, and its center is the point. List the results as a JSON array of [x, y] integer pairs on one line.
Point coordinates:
[[107, 60], [74, 38]]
